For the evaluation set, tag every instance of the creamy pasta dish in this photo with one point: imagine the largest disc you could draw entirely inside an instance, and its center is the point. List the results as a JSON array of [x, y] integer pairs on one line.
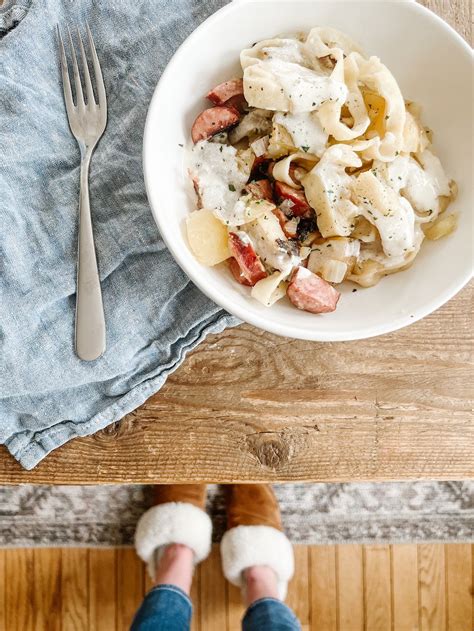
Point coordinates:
[[312, 170]]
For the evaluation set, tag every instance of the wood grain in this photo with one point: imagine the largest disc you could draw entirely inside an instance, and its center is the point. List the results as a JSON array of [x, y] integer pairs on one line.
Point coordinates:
[[102, 589], [459, 585], [337, 597], [248, 406], [432, 594], [130, 586], [297, 597], [213, 592], [18, 594], [350, 587], [323, 588], [405, 587], [47, 589], [457, 13], [74, 589], [3, 592], [377, 590]]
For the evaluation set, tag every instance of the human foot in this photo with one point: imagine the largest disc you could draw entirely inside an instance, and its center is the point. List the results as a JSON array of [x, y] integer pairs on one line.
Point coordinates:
[[175, 533], [256, 555]]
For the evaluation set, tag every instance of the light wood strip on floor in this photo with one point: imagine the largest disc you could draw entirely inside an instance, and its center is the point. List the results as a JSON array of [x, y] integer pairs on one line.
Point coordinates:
[[298, 593], [74, 589], [323, 587], [213, 591], [405, 587], [130, 586], [18, 588], [336, 588], [459, 585], [350, 587], [47, 589], [102, 589], [432, 587], [377, 590]]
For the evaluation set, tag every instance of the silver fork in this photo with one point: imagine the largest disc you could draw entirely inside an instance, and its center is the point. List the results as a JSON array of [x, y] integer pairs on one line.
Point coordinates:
[[87, 120]]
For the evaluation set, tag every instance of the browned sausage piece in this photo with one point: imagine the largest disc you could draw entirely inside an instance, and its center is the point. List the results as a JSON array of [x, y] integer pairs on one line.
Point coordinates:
[[309, 292], [225, 91], [212, 121]]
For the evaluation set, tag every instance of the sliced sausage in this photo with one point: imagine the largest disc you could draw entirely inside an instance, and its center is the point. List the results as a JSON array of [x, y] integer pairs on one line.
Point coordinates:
[[300, 207], [212, 121], [225, 91], [309, 292], [244, 253], [260, 189], [288, 227], [237, 272]]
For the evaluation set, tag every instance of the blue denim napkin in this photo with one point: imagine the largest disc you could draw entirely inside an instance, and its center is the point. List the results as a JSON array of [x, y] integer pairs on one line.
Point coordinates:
[[154, 314]]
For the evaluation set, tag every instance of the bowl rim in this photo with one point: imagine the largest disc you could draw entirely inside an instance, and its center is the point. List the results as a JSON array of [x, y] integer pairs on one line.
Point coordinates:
[[221, 299]]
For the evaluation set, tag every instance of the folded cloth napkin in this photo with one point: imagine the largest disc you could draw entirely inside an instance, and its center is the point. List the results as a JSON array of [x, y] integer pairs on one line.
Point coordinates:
[[154, 314]]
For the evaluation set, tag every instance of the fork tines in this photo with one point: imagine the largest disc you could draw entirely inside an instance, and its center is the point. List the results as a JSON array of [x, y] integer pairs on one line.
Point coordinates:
[[90, 101]]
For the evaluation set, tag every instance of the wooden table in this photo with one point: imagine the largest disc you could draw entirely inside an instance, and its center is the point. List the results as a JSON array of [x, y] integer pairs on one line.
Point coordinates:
[[249, 406]]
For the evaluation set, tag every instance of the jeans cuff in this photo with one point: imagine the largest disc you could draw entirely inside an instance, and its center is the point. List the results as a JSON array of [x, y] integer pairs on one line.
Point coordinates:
[[172, 588]]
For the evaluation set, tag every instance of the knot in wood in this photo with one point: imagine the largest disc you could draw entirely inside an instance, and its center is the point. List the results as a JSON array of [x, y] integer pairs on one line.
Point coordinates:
[[271, 449]]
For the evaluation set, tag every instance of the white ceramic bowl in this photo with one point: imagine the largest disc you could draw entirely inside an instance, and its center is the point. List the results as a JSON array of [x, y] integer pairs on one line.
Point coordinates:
[[433, 66]]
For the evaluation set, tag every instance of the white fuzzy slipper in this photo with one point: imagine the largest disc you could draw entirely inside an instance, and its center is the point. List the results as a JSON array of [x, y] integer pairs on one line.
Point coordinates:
[[173, 522], [246, 546]]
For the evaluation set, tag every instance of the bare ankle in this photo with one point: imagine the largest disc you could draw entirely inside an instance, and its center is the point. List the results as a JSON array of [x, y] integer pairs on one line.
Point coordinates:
[[175, 567], [260, 582]]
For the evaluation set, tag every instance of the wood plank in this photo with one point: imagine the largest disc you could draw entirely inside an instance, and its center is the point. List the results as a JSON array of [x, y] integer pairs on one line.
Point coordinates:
[[405, 587], [234, 607], [331, 428], [74, 589], [298, 588], [350, 587], [130, 586], [377, 587], [47, 589], [432, 588], [323, 586], [3, 591], [454, 12], [213, 593], [19, 606], [459, 585], [196, 600], [102, 589]]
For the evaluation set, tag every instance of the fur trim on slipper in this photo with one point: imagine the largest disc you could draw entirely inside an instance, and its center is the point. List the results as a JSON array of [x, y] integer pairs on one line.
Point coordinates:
[[173, 522], [247, 546]]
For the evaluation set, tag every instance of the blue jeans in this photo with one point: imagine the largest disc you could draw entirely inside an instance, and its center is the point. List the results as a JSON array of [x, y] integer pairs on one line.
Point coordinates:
[[168, 608]]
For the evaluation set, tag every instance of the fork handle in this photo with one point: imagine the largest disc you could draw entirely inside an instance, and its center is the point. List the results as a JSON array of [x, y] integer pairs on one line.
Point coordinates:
[[90, 320]]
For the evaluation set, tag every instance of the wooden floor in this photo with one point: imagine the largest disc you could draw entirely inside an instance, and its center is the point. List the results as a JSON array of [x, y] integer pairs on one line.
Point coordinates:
[[345, 588]]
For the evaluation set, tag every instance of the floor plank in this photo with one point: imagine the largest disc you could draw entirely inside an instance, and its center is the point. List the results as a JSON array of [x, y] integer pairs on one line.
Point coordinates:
[[298, 592], [234, 606], [213, 590], [350, 592], [102, 589], [74, 589], [459, 587], [3, 593], [377, 589], [405, 587], [130, 586], [323, 587], [47, 589], [19, 612], [432, 589], [196, 600]]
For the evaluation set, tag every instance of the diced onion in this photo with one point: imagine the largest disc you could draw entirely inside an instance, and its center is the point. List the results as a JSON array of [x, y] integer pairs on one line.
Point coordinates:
[[260, 146], [334, 271]]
